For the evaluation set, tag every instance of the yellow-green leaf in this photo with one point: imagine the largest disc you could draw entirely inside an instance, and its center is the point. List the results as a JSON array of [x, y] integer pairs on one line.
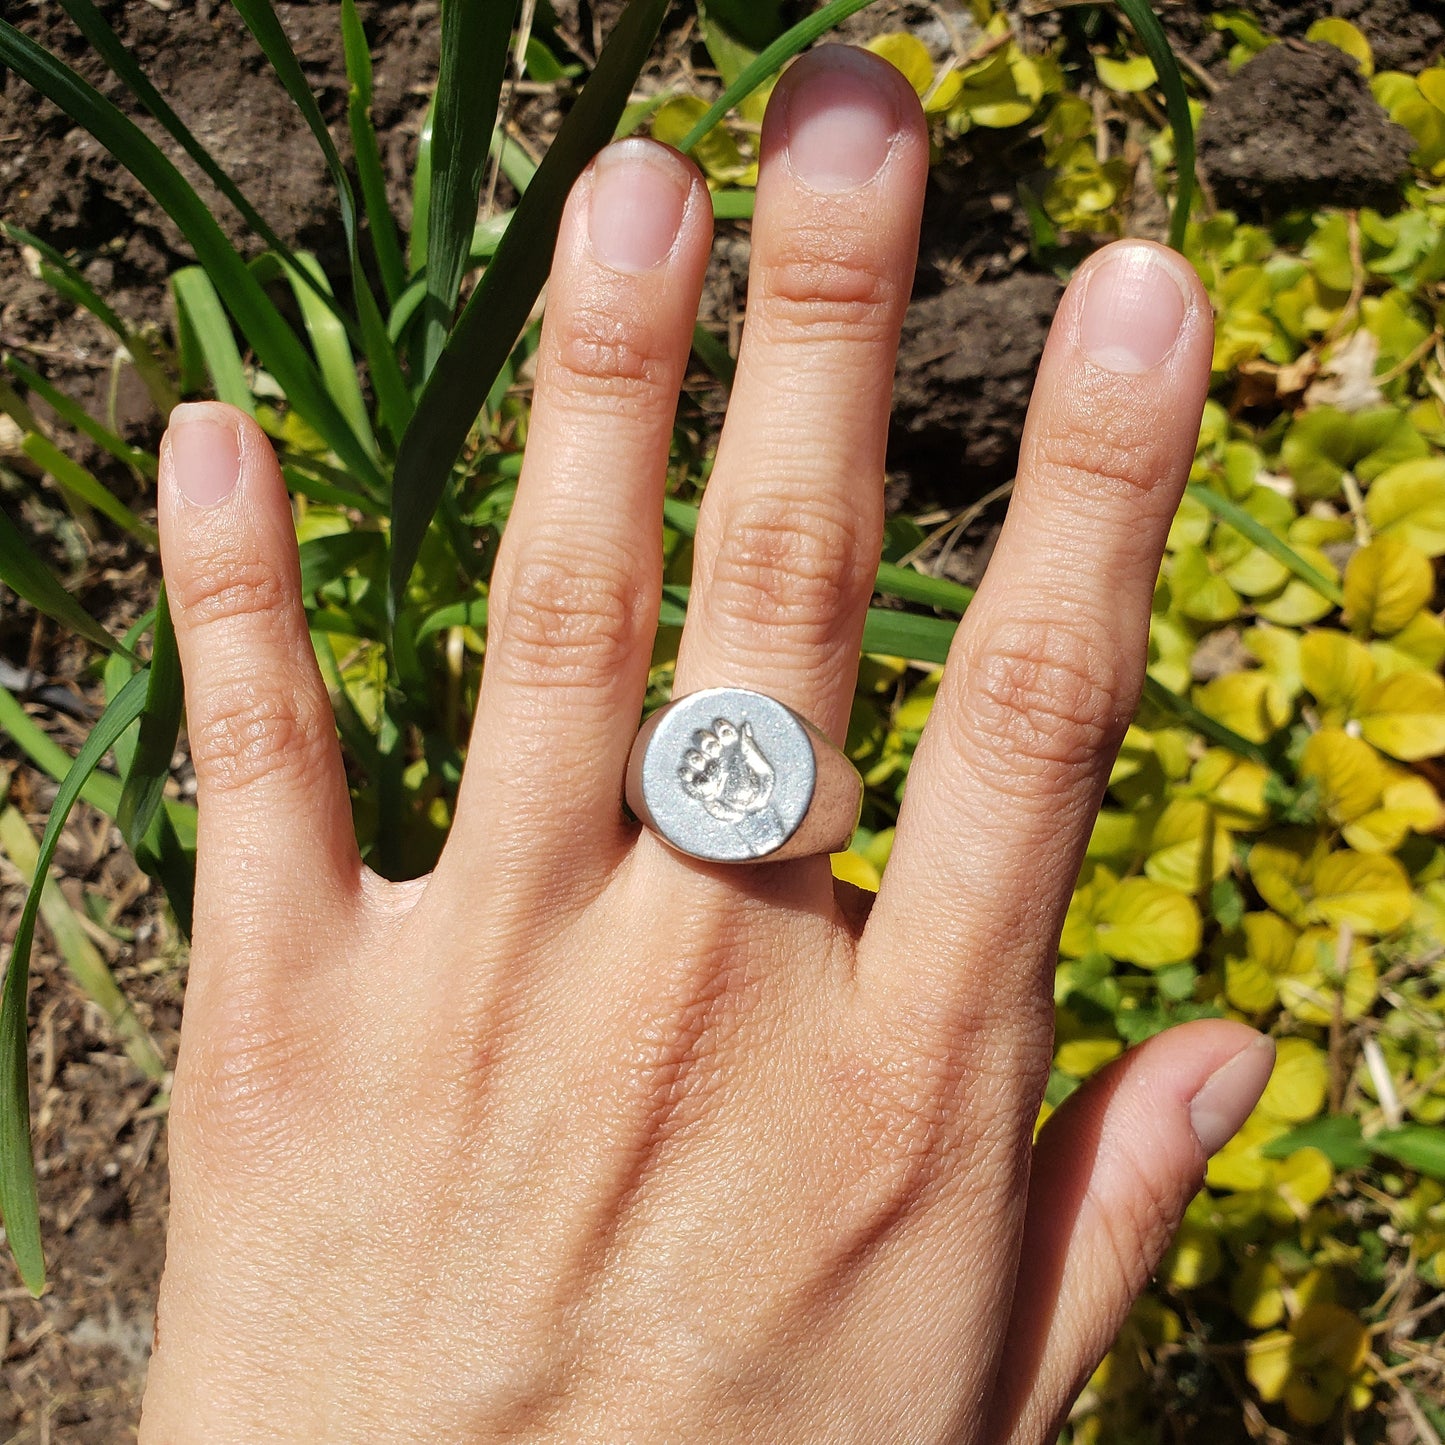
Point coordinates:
[[1282, 868], [1336, 670], [1348, 772], [1130, 76], [1315, 982], [1419, 644], [1331, 30], [1079, 1058], [1408, 501], [1148, 924], [1369, 891], [1249, 703], [1386, 584], [1404, 715], [1296, 1088], [1199, 592], [1189, 847], [909, 55]]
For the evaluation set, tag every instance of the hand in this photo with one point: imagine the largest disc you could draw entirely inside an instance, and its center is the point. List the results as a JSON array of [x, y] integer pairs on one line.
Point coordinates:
[[578, 1139]]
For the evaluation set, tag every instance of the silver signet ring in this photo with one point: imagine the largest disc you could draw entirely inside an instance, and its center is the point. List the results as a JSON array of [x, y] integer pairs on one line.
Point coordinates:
[[733, 776]]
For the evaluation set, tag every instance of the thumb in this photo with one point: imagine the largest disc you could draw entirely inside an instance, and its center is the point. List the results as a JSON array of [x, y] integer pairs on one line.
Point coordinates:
[[1113, 1171]]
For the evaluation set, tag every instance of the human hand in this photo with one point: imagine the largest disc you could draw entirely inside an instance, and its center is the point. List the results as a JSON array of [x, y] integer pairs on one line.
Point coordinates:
[[579, 1139]]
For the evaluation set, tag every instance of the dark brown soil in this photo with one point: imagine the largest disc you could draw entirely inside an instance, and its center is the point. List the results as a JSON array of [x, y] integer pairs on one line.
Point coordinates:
[[1297, 127]]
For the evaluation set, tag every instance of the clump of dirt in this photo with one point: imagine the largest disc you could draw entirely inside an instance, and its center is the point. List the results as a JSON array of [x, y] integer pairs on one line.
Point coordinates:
[[966, 368], [1404, 34], [1297, 127]]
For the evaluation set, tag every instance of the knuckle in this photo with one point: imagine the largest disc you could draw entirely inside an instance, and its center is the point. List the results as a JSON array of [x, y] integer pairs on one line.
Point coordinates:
[[824, 283], [1094, 448], [226, 588], [607, 357], [1048, 699], [783, 564], [567, 620], [240, 734]]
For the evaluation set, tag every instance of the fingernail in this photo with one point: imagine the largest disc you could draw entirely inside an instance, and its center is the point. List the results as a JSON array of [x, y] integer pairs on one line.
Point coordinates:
[[205, 453], [639, 192], [1133, 310], [841, 116], [1229, 1093]]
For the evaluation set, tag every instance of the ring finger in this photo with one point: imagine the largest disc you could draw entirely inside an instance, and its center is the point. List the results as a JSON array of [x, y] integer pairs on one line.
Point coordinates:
[[787, 543]]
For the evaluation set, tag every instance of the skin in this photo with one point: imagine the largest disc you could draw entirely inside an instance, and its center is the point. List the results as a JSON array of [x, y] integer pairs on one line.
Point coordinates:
[[580, 1140]]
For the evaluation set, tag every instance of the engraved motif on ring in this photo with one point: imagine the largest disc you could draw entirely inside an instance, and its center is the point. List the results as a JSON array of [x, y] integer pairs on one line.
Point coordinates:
[[733, 776]]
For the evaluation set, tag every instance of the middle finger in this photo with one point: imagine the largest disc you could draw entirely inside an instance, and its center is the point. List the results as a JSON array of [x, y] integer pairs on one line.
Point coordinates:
[[787, 543]]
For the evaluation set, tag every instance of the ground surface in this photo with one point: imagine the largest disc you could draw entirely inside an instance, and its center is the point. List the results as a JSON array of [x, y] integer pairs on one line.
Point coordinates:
[[72, 1365]]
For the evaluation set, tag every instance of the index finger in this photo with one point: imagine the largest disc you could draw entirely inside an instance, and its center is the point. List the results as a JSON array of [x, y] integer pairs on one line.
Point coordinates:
[[1045, 672]]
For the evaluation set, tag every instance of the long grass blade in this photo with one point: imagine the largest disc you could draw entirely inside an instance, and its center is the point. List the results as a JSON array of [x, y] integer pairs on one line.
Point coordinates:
[[1252, 528], [476, 40], [1167, 701], [331, 347], [906, 634], [207, 339], [771, 60], [19, 1202], [75, 415], [102, 790], [1176, 106], [64, 278], [497, 310], [160, 726], [419, 242], [109, 46], [324, 559], [385, 240], [278, 347], [391, 390], [22, 571], [82, 485], [81, 956]]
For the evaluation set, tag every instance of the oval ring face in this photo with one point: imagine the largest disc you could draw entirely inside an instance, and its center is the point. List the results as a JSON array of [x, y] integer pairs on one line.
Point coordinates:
[[728, 775]]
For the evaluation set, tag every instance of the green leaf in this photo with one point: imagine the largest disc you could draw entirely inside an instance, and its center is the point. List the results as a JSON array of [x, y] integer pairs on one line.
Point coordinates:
[[22, 571], [207, 340], [497, 310], [160, 726], [82, 957], [471, 613], [476, 38], [906, 634], [273, 340], [65, 279], [331, 347], [324, 559], [75, 415], [1336, 1136], [19, 1204], [81, 485], [1420, 1147]]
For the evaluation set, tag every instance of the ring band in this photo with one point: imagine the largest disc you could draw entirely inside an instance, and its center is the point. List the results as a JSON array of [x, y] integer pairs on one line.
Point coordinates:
[[733, 776]]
